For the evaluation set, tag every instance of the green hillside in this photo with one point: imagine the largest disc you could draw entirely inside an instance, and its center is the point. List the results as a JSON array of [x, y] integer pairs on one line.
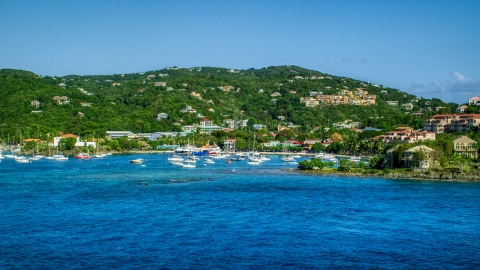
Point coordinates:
[[135, 103]]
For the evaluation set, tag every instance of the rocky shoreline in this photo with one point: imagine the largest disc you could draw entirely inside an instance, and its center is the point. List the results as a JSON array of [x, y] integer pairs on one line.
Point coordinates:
[[393, 175]]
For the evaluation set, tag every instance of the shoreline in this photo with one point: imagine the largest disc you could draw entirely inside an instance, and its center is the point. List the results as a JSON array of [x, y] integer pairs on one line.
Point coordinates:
[[404, 176]]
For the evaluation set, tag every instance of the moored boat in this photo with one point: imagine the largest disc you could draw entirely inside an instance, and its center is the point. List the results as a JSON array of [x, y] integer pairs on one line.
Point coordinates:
[[82, 156], [137, 161]]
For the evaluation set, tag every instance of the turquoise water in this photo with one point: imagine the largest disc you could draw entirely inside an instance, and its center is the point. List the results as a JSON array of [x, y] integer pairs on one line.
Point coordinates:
[[107, 213]]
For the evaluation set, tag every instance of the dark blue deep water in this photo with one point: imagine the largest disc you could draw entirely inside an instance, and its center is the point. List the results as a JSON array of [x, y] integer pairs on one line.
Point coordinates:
[[109, 214]]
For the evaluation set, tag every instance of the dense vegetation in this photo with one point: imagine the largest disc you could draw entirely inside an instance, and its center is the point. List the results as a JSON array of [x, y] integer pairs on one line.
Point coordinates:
[[135, 103]]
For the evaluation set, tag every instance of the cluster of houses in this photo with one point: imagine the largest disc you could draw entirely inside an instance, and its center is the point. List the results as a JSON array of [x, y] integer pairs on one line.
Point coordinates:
[[462, 146], [405, 135], [356, 97], [451, 123]]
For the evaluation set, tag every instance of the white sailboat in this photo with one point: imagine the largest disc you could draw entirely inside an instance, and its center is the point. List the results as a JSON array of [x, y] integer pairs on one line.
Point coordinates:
[[286, 157]]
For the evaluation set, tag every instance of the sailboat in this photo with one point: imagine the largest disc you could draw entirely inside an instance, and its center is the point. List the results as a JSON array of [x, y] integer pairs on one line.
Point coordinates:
[[286, 157]]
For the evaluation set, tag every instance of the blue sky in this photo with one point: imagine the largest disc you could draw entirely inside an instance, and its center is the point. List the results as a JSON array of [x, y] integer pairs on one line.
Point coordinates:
[[427, 48]]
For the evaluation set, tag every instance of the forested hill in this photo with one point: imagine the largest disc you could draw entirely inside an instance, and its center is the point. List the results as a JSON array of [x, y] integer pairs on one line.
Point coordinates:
[[98, 103]]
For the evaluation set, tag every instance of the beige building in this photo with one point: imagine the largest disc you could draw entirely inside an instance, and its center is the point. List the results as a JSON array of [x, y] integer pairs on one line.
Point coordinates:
[[451, 123], [466, 147]]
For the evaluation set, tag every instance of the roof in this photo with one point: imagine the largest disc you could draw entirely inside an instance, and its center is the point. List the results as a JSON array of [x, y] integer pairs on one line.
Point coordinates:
[[69, 136], [475, 98], [419, 148], [464, 139]]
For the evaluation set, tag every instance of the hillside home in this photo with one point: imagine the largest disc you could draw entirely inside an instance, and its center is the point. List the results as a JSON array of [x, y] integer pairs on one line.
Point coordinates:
[[78, 143], [85, 104], [188, 109], [405, 135], [161, 116], [271, 144], [451, 123], [36, 112], [161, 84], [392, 102], [61, 100], [195, 94], [276, 94], [226, 88], [407, 106], [210, 129], [118, 134], [411, 157], [116, 84], [242, 123], [206, 122], [189, 128], [461, 109], [35, 103], [308, 144], [230, 123], [229, 144], [475, 101], [466, 147]]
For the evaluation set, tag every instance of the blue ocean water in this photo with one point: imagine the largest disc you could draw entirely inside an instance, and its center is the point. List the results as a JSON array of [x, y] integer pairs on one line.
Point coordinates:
[[109, 214]]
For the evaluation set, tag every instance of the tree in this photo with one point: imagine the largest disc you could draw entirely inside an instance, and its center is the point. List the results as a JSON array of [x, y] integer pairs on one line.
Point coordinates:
[[376, 162], [67, 143], [318, 147]]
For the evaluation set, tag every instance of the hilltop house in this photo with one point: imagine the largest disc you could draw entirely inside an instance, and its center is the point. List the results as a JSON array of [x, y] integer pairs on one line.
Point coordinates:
[[474, 101]]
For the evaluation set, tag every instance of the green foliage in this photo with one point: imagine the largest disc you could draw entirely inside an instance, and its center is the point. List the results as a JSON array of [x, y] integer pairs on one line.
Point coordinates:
[[312, 164], [376, 162], [135, 104], [318, 147], [67, 143]]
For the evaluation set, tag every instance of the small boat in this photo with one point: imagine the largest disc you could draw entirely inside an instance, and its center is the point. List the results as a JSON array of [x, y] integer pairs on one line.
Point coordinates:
[[82, 156], [60, 157], [265, 158], [253, 162], [296, 156], [209, 161], [191, 161], [287, 159], [174, 158], [22, 160], [188, 165], [137, 161], [228, 160]]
